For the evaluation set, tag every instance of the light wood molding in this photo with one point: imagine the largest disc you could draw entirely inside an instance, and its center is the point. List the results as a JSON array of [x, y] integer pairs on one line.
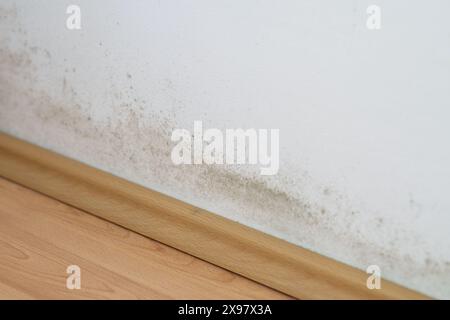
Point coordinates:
[[251, 253]]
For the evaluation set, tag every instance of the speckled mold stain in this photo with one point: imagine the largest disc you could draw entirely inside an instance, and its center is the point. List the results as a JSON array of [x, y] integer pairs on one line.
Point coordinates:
[[133, 142]]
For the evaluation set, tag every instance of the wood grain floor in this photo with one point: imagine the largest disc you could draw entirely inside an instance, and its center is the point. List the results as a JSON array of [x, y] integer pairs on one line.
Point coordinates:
[[40, 237]]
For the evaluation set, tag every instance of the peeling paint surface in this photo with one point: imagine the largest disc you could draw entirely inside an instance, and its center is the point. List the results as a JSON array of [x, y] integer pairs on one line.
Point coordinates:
[[363, 117]]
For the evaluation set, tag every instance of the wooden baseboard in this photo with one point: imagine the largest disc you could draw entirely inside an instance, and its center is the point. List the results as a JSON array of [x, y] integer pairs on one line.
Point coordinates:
[[253, 254]]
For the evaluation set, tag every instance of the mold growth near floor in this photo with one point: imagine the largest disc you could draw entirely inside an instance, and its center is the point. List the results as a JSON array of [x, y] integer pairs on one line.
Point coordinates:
[[131, 139]]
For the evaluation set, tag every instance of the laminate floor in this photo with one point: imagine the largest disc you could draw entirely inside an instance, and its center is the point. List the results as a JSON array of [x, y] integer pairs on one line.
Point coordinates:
[[41, 237]]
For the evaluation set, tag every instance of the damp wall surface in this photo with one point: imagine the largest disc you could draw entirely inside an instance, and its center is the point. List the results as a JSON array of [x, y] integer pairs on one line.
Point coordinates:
[[363, 114]]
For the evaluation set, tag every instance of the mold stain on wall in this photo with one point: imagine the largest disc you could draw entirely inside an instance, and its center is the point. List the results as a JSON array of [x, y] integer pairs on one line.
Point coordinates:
[[133, 141]]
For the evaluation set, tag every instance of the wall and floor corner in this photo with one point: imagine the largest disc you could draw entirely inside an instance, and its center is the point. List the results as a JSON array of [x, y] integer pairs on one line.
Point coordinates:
[[362, 114]]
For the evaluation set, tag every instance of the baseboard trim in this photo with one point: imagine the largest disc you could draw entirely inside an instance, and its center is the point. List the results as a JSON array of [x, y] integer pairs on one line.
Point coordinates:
[[251, 253]]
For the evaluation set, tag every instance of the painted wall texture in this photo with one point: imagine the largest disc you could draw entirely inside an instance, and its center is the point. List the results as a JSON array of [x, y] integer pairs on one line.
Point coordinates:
[[363, 114]]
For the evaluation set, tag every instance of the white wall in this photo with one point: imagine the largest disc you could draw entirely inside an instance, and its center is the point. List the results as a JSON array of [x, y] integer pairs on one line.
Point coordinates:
[[363, 115]]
